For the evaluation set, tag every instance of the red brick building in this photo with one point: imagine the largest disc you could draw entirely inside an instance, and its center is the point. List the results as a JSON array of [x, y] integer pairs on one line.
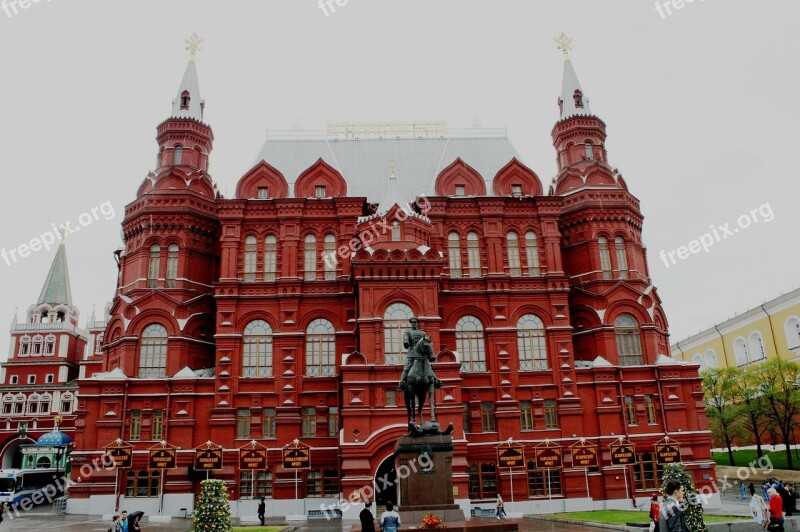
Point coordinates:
[[277, 315]]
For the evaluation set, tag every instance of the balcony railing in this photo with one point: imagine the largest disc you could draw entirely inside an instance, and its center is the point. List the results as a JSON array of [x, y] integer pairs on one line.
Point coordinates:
[[49, 326]]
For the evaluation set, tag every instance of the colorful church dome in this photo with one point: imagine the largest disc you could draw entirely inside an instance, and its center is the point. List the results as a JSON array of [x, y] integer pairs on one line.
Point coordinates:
[[54, 438]]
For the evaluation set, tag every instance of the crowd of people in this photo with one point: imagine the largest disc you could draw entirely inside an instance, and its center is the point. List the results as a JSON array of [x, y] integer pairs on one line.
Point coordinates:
[[123, 522], [769, 505]]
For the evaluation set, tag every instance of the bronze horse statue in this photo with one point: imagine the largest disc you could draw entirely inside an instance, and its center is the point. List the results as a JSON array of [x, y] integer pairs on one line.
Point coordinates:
[[420, 381]]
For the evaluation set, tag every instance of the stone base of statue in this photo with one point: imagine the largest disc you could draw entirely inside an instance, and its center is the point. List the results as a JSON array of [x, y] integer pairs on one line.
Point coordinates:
[[424, 466]]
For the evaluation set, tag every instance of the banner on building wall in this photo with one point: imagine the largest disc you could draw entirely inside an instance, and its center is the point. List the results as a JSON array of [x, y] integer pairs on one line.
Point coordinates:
[[121, 454], [208, 459], [163, 458], [547, 456], [511, 457], [668, 452], [584, 455], [622, 454], [252, 459]]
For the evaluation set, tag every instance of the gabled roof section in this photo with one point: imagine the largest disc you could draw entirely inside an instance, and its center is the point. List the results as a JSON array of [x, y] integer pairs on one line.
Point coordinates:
[[363, 161], [56, 289], [190, 87]]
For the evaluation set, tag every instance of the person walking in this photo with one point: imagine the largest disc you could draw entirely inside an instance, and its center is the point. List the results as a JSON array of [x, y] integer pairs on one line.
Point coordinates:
[[758, 508], [501, 510], [367, 521], [655, 507], [742, 491], [671, 518], [116, 526], [390, 521], [262, 509], [775, 511], [123, 519]]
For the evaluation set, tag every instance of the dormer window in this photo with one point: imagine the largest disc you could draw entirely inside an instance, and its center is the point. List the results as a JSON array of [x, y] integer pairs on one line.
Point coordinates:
[[263, 193], [320, 191], [461, 190], [185, 98], [578, 96], [516, 190]]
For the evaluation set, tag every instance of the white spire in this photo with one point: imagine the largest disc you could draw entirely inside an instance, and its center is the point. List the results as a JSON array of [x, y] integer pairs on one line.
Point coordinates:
[[573, 102], [188, 103], [393, 195]]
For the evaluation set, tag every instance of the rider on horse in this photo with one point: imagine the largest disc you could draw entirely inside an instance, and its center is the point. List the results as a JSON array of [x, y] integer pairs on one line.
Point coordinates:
[[410, 340]]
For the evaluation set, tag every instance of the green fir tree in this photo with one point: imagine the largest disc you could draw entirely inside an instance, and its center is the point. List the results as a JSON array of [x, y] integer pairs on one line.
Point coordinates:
[[212, 513], [692, 507]]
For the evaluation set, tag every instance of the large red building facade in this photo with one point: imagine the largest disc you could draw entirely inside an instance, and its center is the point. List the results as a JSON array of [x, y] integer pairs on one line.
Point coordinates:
[[277, 315]]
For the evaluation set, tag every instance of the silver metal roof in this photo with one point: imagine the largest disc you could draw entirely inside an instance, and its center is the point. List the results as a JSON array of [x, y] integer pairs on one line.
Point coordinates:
[[192, 86], [56, 289], [364, 162], [568, 87]]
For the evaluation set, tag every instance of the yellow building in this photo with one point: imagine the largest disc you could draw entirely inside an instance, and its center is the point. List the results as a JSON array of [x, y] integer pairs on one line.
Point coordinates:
[[760, 334]]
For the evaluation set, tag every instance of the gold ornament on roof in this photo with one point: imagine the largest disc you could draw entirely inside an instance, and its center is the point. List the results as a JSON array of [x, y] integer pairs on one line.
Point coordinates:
[[193, 45], [564, 44]]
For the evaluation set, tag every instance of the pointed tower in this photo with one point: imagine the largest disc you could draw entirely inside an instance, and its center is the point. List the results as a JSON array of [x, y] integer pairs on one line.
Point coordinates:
[[601, 226], [168, 266], [38, 380]]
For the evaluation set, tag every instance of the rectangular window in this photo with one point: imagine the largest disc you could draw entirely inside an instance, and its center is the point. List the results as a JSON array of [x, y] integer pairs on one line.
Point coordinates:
[[550, 416], [516, 190], [262, 485], [391, 398], [646, 472], [14, 379], [622, 257], [31, 379], [526, 415], [243, 423], [268, 423], [329, 258], [158, 425], [314, 484], [473, 255], [270, 258], [630, 411], [543, 482], [152, 267], [172, 265], [250, 258], [309, 422], [263, 193], [136, 425], [461, 190], [331, 483], [482, 481], [333, 421], [487, 417], [320, 191], [310, 259], [650, 410]]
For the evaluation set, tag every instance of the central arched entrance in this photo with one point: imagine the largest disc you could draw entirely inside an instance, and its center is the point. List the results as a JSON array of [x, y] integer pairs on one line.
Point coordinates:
[[386, 483]]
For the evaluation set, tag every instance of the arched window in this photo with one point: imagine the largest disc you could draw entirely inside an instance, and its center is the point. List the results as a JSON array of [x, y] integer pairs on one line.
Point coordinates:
[[588, 149], [454, 254], [470, 344], [19, 404], [33, 403], [532, 254], [66, 403], [178, 155], [513, 254], [629, 344], [270, 257], [50, 344], [43, 462], [172, 265], [740, 351], [153, 352], [38, 345], [711, 359], [605, 258], [329, 257], [757, 351], [395, 321], [698, 359], [396, 236], [257, 350], [531, 344], [8, 403], [185, 99], [250, 258], [792, 329], [320, 349], [45, 402], [153, 265], [473, 255], [622, 257], [310, 258], [25, 345]]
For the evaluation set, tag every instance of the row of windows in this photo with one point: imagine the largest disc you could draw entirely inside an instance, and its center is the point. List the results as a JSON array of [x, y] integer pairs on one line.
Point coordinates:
[[244, 418], [37, 346], [752, 349], [156, 425], [154, 265], [19, 404], [472, 266], [315, 482], [631, 415], [488, 423], [257, 359], [14, 379]]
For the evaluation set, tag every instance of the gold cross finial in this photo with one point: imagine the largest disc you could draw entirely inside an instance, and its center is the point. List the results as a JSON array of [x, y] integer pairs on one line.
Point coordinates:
[[193, 45], [564, 44]]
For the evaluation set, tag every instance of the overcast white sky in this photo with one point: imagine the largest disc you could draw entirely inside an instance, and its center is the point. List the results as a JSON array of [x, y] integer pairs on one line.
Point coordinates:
[[701, 109]]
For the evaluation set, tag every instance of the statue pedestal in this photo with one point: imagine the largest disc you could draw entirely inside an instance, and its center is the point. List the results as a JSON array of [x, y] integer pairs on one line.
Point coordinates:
[[424, 466]]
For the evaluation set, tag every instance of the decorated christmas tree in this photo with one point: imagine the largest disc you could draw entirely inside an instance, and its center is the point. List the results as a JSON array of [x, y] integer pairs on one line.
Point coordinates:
[[212, 514], [691, 506]]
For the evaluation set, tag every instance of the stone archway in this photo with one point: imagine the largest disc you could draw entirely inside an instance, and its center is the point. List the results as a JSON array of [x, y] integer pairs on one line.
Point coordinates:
[[12, 454], [386, 483]]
